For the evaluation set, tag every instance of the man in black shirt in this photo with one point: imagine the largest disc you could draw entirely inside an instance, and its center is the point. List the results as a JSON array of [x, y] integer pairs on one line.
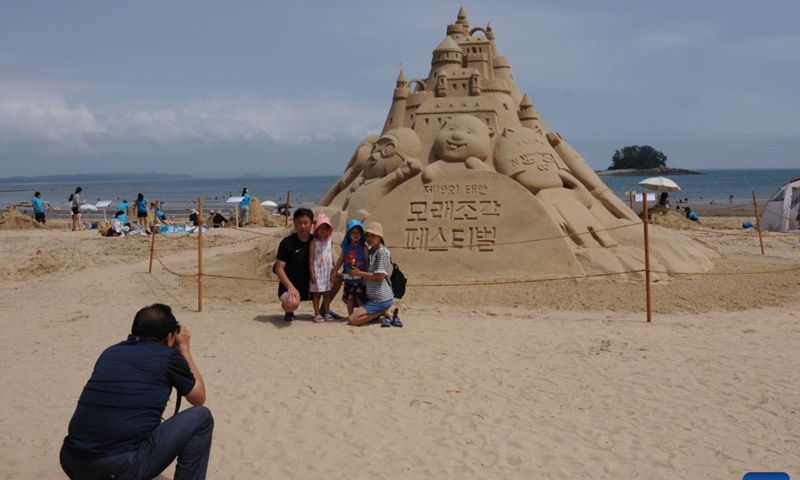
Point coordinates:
[[292, 265], [116, 430]]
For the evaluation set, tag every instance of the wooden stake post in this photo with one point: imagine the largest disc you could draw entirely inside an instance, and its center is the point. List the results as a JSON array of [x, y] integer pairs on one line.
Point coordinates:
[[201, 222], [153, 239], [646, 223], [758, 223], [286, 210]]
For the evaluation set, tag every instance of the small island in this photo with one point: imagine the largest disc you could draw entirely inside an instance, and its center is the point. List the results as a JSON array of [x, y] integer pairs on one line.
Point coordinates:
[[644, 160]]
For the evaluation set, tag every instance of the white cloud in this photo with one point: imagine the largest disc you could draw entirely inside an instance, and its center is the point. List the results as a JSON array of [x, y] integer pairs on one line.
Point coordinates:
[[60, 126], [46, 117]]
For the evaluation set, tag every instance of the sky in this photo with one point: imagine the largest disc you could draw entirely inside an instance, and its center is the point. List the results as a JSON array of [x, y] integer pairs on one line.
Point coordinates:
[[290, 88]]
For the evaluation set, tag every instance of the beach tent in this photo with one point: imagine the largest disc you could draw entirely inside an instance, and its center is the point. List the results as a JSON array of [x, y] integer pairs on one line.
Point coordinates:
[[782, 211]]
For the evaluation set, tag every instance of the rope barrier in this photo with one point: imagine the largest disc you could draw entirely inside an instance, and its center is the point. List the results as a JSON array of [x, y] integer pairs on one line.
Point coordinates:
[[276, 235], [709, 233], [264, 280], [174, 236], [771, 235], [186, 275], [716, 209], [646, 270], [528, 280], [726, 274], [774, 214]]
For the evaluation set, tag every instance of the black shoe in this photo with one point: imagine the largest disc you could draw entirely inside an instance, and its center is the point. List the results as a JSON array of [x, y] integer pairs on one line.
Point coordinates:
[[288, 316], [396, 320]]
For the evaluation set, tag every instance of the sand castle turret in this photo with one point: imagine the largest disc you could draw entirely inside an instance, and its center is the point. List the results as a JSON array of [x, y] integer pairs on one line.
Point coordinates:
[[529, 117], [466, 179], [397, 112]]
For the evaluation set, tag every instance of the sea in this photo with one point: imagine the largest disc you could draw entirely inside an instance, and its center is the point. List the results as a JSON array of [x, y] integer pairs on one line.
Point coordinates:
[[180, 195]]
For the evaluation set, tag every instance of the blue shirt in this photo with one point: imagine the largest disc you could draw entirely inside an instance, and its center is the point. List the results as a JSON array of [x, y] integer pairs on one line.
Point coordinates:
[[38, 205], [158, 212], [123, 218], [123, 206], [245, 203], [353, 256], [141, 206], [124, 399]]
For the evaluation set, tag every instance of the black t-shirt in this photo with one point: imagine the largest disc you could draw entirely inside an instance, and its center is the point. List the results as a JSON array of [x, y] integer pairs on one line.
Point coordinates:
[[294, 252], [124, 399]]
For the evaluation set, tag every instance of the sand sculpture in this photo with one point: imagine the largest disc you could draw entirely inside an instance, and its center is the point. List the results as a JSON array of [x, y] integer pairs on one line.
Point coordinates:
[[13, 219], [465, 174]]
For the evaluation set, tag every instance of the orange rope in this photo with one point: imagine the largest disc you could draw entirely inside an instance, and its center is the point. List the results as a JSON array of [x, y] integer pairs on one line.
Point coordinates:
[[770, 235], [265, 280], [170, 271], [729, 274], [528, 280], [276, 235], [174, 236]]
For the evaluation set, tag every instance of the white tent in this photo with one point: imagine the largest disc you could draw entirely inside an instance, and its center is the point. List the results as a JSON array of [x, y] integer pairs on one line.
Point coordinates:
[[782, 211]]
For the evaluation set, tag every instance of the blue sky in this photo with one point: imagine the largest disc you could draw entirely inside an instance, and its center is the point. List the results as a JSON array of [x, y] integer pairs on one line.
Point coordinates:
[[231, 88]]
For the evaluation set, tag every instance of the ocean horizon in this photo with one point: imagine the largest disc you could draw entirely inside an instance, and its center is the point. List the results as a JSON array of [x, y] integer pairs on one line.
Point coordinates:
[[179, 194]]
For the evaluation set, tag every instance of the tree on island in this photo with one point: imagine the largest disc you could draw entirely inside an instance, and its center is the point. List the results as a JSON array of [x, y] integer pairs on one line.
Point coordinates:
[[638, 157]]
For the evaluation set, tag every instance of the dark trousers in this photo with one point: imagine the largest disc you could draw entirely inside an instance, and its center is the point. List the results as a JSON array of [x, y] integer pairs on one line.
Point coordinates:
[[186, 436]]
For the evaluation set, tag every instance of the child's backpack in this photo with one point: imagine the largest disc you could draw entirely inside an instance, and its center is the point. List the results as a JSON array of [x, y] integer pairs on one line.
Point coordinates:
[[397, 281]]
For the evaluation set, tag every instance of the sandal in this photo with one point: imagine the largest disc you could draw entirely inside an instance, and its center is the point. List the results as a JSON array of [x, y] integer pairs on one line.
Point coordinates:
[[396, 320], [319, 319], [386, 322], [329, 317]]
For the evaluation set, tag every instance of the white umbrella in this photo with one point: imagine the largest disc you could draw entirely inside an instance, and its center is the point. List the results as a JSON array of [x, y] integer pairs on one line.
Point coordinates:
[[269, 204], [86, 207], [660, 184]]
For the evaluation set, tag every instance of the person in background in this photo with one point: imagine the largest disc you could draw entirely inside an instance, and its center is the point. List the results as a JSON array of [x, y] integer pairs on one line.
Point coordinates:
[[663, 199], [38, 208], [244, 208], [691, 215], [75, 202], [157, 213], [141, 212], [216, 220], [116, 430], [194, 217], [123, 207], [118, 225]]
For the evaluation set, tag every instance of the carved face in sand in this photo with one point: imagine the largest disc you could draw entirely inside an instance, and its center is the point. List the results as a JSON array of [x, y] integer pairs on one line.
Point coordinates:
[[462, 137], [390, 151]]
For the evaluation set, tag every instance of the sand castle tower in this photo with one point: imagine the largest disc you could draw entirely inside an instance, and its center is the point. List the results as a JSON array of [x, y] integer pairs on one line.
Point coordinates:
[[468, 181]]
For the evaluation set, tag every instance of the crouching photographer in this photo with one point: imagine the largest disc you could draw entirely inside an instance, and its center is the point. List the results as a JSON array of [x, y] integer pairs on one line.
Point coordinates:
[[116, 430]]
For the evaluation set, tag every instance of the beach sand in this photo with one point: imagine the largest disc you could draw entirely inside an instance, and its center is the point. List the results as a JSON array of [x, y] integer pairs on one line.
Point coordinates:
[[556, 380]]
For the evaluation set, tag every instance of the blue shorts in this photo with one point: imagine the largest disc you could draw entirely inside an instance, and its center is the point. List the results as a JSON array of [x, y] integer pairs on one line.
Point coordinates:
[[373, 306]]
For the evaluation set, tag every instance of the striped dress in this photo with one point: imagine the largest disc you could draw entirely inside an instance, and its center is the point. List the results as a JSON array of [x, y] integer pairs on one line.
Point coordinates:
[[323, 265], [379, 262]]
